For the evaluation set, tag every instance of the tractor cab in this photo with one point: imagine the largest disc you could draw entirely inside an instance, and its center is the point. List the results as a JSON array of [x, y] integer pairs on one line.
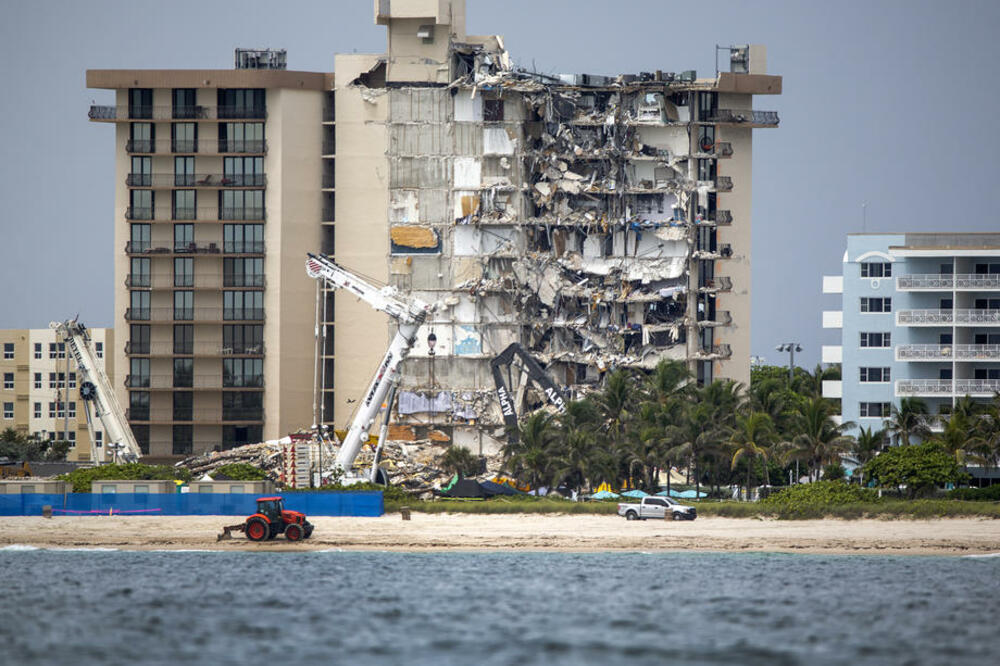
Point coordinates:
[[271, 507]]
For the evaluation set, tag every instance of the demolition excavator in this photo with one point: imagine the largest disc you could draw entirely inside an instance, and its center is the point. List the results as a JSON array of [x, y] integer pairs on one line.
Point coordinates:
[[534, 371]]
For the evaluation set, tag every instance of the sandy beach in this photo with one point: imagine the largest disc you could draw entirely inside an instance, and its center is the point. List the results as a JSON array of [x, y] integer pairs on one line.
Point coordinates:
[[469, 532]]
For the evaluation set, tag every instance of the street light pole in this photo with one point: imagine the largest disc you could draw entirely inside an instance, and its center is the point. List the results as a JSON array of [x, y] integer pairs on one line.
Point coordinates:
[[791, 348]]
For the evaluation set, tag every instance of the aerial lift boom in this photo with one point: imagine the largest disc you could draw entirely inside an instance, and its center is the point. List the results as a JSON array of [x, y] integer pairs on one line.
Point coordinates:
[[95, 387], [409, 313]]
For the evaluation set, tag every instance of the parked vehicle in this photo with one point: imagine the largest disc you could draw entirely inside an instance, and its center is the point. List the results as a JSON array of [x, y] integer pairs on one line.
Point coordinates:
[[657, 507]]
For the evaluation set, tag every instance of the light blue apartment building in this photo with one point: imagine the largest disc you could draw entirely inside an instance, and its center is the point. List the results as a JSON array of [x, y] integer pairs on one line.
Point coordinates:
[[919, 316]]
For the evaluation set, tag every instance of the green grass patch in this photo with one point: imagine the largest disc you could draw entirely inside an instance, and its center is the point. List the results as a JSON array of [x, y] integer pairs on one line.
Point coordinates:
[[81, 478], [504, 505]]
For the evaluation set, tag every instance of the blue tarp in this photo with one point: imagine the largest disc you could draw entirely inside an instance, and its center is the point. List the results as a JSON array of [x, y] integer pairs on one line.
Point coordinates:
[[638, 494], [604, 494], [682, 494], [361, 503]]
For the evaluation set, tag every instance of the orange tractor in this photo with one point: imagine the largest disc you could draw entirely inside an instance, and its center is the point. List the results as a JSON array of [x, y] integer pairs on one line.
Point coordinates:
[[271, 520]]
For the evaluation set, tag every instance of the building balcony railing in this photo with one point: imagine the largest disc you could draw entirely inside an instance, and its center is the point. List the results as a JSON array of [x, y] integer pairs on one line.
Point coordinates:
[[165, 349], [243, 247], [721, 318], [205, 146], [140, 146], [723, 184], [329, 147], [966, 317], [244, 213], [947, 387], [103, 112], [139, 213], [244, 280], [141, 415], [199, 213], [328, 214], [957, 281], [146, 247], [195, 180], [177, 381], [207, 315], [175, 281], [948, 352], [740, 116]]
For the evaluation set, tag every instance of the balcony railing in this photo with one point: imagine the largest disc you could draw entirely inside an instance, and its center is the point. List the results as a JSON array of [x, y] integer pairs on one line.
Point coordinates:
[[245, 213], [723, 183], [745, 116], [329, 147], [254, 147], [171, 281], [947, 387], [191, 381], [724, 149], [935, 281], [722, 351], [142, 112], [167, 315], [242, 146], [244, 280], [139, 213], [140, 146], [940, 317], [243, 247], [328, 181], [722, 318], [195, 180], [192, 415], [947, 352], [194, 349]]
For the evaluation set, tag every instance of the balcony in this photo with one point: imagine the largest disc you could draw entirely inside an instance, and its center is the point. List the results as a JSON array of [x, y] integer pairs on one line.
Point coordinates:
[[205, 146], [245, 213], [720, 351], [723, 149], [168, 349], [243, 247], [197, 315], [206, 416], [721, 318], [716, 284], [959, 317], [139, 213], [125, 112], [957, 282], [160, 382], [244, 280], [140, 146], [256, 147], [723, 184], [195, 180], [948, 353], [979, 388], [146, 247], [746, 116], [171, 281]]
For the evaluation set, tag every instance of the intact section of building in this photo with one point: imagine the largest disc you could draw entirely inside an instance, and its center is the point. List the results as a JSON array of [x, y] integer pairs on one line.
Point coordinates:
[[919, 317], [40, 391], [600, 221], [218, 196]]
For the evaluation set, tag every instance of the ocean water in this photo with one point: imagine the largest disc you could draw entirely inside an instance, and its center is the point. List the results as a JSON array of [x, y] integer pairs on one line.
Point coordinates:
[[119, 607]]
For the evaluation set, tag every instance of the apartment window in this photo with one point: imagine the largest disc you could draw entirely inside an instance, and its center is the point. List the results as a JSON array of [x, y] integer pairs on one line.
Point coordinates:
[[57, 410], [987, 269], [242, 406], [38, 380], [183, 442], [140, 103], [38, 410], [944, 373], [233, 435], [242, 305], [184, 238], [98, 438], [241, 103], [243, 171], [72, 380], [71, 412], [8, 410], [184, 103], [57, 350], [184, 138], [138, 405], [184, 172], [876, 304], [8, 381], [99, 349], [242, 372], [241, 137], [242, 339], [139, 272], [184, 405], [492, 110], [139, 309], [38, 350], [980, 303], [183, 339], [142, 172], [141, 434], [987, 339], [183, 305], [138, 339], [241, 204], [8, 350], [706, 169], [184, 205], [139, 238], [876, 269], [874, 375], [708, 104], [875, 340], [139, 373], [71, 435], [183, 372], [243, 272], [140, 205], [56, 380], [141, 137], [243, 238], [874, 409], [706, 138], [183, 272]]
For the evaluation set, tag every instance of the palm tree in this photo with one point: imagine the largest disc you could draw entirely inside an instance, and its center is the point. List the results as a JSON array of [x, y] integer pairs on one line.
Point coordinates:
[[818, 438], [578, 460], [617, 403], [909, 420], [531, 456], [958, 432], [867, 445], [704, 425], [984, 445], [750, 439]]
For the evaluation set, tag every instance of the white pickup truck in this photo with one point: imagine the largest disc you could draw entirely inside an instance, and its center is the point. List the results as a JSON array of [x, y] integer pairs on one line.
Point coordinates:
[[657, 507]]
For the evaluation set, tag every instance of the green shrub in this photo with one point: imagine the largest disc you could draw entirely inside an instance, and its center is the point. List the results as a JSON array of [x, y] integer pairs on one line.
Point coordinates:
[[990, 494], [919, 467], [812, 499], [81, 478], [243, 472]]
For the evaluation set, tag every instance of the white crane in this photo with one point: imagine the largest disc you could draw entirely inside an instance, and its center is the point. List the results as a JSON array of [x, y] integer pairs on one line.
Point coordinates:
[[96, 387], [409, 313]]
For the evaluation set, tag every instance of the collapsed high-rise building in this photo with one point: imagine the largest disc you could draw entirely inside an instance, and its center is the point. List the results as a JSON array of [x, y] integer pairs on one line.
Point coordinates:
[[600, 221]]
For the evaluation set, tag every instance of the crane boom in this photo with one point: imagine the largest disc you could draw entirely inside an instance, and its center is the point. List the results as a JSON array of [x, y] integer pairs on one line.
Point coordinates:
[[409, 313], [96, 387]]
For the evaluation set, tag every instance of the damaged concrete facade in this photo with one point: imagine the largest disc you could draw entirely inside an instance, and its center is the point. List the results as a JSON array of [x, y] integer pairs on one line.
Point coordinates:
[[601, 222]]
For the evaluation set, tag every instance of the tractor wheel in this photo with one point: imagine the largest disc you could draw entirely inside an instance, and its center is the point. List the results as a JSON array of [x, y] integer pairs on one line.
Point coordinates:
[[294, 532], [257, 530], [309, 530]]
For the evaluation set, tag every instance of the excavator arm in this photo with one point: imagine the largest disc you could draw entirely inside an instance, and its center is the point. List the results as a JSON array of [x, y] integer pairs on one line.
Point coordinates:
[[555, 395]]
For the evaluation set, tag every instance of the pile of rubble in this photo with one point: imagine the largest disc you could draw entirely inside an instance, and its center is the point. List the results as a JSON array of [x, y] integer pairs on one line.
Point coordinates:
[[265, 456]]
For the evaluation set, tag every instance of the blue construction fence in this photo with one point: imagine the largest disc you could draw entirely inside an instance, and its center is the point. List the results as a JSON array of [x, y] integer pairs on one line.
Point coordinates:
[[361, 503]]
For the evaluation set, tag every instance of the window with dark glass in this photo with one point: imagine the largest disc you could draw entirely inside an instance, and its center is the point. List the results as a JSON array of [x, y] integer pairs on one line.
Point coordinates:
[[874, 409], [138, 405], [706, 169], [183, 271], [241, 137], [183, 339], [141, 434], [140, 103], [140, 205], [708, 104], [874, 375], [243, 272], [876, 304], [139, 238], [184, 205], [138, 339], [875, 339], [242, 339], [241, 204], [241, 103], [183, 305], [234, 435], [183, 405], [242, 406], [139, 272], [243, 171], [184, 138], [242, 305], [38, 350], [242, 372], [243, 238], [492, 110], [183, 441], [141, 174], [184, 372], [875, 269], [138, 373], [140, 138], [184, 103], [183, 238], [184, 172], [139, 305]]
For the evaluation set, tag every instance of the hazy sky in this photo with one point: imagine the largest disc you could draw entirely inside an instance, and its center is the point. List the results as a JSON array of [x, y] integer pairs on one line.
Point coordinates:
[[890, 103]]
